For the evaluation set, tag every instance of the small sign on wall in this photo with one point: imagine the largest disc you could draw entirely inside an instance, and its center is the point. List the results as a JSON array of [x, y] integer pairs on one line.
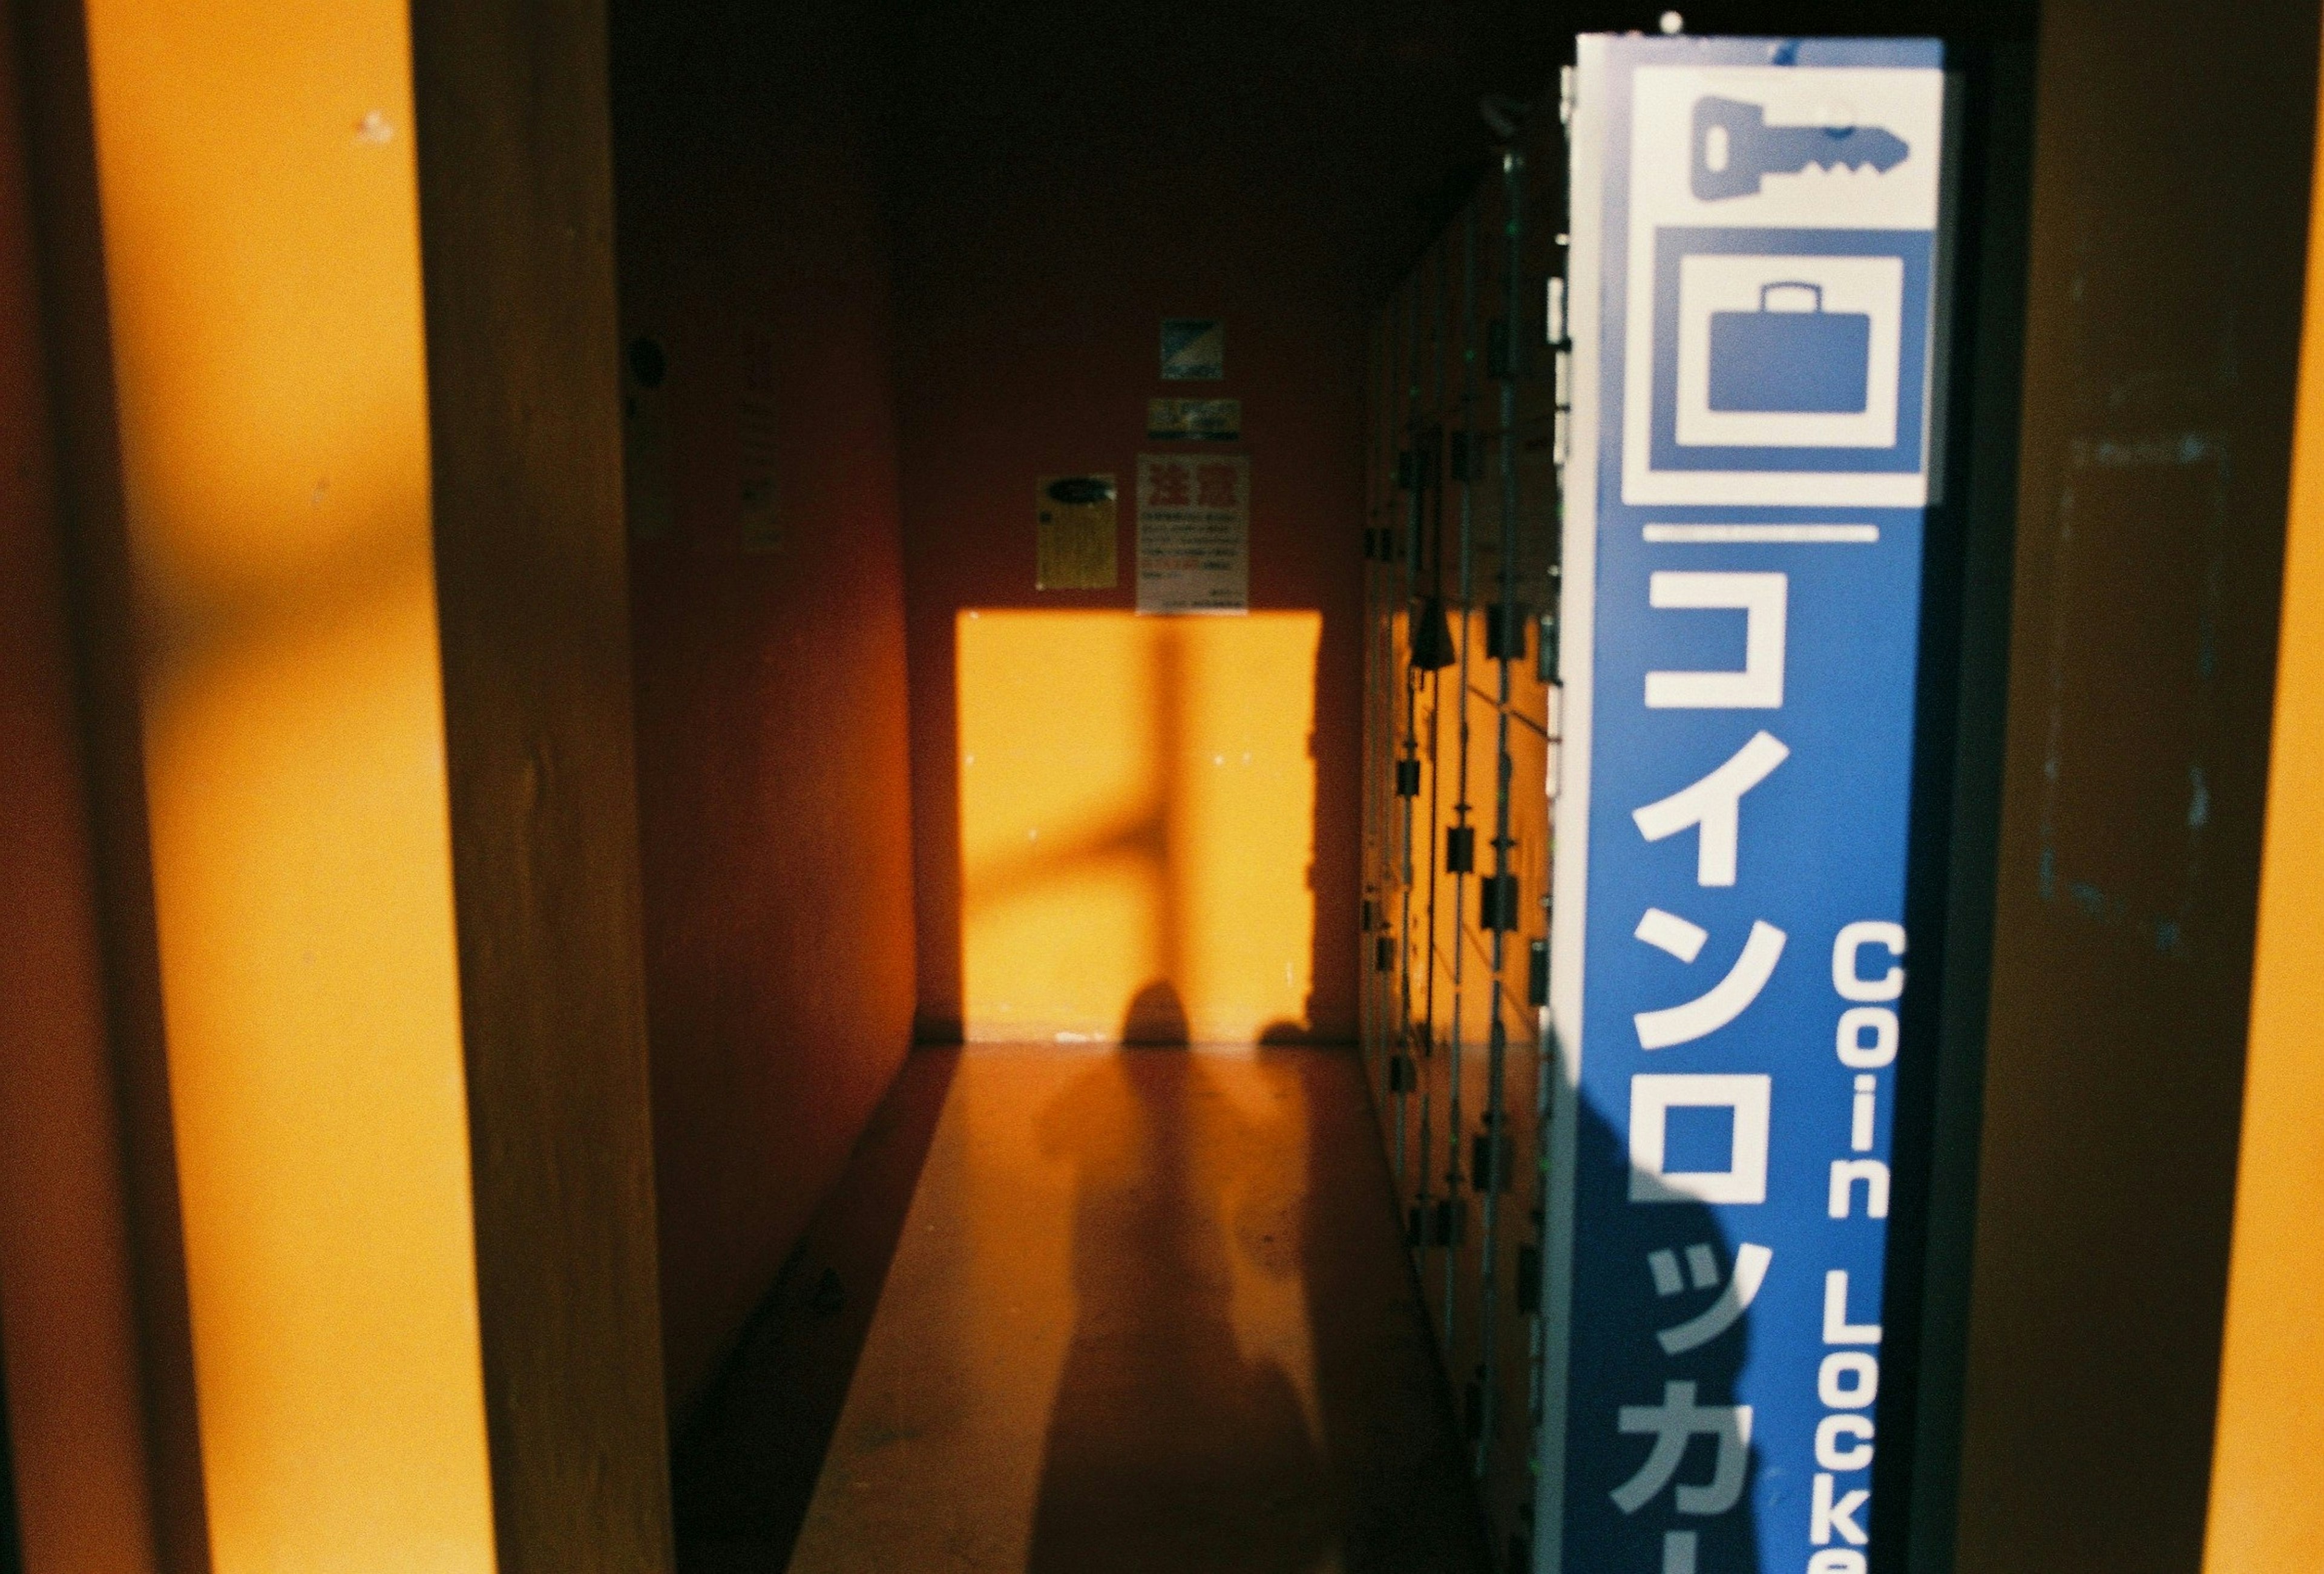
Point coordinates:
[[1193, 349], [1208, 420], [1193, 533], [1075, 518]]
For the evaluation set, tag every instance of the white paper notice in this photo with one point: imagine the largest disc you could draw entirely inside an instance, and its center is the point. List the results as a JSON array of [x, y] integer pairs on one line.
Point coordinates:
[[1193, 533]]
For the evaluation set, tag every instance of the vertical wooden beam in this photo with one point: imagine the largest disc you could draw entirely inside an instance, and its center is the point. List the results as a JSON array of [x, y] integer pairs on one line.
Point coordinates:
[[516, 237], [76, 1401], [2163, 304], [2267, 1500]]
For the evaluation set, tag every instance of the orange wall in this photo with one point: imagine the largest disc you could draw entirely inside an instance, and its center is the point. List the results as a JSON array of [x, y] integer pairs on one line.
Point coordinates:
[[72, 1365], [773, 784], [1137, 806], [1061, 191]]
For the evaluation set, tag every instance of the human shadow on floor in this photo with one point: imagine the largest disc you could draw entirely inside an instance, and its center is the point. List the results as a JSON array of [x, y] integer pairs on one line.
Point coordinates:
[[1169, 1449]]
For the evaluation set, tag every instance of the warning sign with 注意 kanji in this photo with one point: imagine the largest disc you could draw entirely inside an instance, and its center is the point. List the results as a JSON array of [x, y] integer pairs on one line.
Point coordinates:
[[1193, 534]]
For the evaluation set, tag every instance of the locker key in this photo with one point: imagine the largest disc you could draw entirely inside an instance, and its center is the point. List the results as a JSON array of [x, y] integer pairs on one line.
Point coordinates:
[[1734, 147]]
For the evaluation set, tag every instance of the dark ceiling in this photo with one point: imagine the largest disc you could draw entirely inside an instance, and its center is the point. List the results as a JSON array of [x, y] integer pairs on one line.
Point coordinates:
[[1363, 108]]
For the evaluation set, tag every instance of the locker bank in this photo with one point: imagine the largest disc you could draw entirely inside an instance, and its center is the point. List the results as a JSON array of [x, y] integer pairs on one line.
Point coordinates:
[[1296, 788]]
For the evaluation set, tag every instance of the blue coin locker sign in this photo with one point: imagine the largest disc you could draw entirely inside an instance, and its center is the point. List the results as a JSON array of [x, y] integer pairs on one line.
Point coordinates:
[[1754, 296]]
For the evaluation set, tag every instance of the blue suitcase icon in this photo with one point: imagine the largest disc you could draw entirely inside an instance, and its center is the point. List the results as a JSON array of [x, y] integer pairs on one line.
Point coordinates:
[[1790, 361]]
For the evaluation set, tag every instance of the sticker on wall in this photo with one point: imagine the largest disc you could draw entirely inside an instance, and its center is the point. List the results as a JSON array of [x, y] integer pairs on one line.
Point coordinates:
[[1193, 534], [1193, 349], [1074, 518], [1206, 421], [760, 507], [645, 439]]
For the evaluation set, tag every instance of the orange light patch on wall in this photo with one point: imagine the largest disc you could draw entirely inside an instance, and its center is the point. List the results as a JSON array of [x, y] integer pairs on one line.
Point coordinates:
[[261, 237], [1137, 807]]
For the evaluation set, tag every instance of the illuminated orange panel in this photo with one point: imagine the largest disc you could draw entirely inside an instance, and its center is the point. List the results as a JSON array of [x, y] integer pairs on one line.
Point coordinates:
[[1137, 808], [261, 225], [2267, 1510]]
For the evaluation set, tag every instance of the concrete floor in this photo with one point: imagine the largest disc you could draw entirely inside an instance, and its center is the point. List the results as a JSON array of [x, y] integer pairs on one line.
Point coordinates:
[[1146, 1310]]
